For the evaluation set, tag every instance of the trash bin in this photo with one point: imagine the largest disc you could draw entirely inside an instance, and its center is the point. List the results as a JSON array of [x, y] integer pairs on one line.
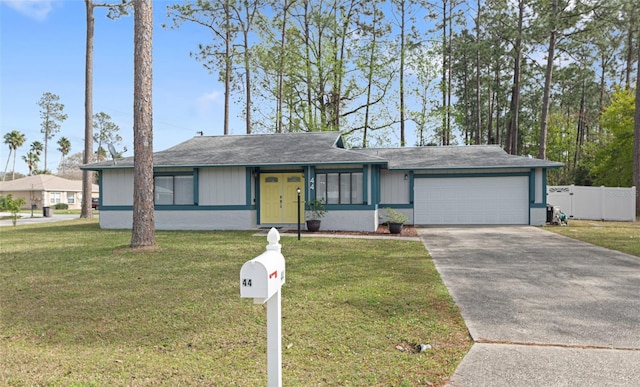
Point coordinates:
[[46, 212], [549, 213]]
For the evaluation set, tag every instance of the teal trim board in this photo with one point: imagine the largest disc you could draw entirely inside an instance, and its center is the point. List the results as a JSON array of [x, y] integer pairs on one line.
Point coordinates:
[[454, 175], [196, 186], [248, 177]]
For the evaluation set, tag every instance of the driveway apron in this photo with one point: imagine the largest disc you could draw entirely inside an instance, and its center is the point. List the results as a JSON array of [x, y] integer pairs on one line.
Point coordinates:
[[543, 309]]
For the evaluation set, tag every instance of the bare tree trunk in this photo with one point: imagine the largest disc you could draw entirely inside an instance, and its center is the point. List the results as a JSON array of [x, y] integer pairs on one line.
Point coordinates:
[[449, 70], [402, 59], [636, 136], [478, 136], [247, 71], [283, 41], [445, 108], [513, 129], [627, 73], [227, 66], [307, 50], [86, 210], [143, 233], [542, 151]]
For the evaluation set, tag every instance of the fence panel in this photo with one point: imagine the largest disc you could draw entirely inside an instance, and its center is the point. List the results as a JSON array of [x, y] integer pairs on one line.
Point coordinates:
[[595, 203]]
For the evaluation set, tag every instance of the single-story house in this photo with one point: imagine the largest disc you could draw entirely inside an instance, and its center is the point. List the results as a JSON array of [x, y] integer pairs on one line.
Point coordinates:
[[244, 182], [46, 191]]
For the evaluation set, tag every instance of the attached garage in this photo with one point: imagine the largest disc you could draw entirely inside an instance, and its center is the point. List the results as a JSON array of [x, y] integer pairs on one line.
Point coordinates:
[[471, 200]]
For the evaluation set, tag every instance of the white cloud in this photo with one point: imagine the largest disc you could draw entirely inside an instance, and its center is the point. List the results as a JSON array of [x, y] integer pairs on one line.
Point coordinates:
[[34, 9], [205, 102]]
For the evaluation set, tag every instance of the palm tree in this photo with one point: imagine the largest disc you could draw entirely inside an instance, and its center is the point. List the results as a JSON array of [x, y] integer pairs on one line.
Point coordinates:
[[33, 157], [15, 140], [32, 160], [64, 146]]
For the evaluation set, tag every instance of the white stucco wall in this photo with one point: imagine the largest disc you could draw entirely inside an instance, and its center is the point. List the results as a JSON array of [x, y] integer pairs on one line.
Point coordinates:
[[538, 216], [350, 221], [185, 220]]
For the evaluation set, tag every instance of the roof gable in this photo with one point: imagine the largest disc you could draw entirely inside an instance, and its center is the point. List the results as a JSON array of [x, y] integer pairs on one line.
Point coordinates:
[[43, 183], [313, 148]]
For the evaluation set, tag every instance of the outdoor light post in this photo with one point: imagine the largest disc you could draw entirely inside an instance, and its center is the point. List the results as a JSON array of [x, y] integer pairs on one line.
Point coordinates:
[[298, 213]]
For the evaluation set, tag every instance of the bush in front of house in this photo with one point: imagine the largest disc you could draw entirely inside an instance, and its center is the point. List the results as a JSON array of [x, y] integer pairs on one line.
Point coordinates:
[[61, 206]]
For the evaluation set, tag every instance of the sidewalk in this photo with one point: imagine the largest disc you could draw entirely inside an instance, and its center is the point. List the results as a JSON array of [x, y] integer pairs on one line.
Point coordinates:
[[36, 219]]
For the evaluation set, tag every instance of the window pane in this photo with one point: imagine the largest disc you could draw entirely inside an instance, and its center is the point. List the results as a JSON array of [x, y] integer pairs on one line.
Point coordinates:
[[164, 190], [333, 184], [183, 186], [71, 197], [356, 188], [345, 188], [321, 187]]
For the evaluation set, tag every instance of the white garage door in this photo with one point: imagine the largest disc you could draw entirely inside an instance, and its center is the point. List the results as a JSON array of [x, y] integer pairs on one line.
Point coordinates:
[[471, 200]]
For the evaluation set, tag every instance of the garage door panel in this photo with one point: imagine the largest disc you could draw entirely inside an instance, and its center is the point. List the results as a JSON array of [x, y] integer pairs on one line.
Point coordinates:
[[471, 200]]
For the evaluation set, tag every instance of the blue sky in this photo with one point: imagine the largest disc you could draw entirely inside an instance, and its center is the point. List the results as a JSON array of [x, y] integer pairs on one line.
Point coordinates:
[[42, 49]]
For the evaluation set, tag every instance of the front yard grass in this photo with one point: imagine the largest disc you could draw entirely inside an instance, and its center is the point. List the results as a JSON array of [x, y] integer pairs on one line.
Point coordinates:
[[78, 307], [620, 236]]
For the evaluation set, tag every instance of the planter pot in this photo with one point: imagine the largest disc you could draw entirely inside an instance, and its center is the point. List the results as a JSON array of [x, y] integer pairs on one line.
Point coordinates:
[[395, 228], [313, 225]]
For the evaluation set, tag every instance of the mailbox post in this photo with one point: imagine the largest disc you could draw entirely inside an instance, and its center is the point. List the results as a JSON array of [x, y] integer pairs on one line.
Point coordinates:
[[261, 279]]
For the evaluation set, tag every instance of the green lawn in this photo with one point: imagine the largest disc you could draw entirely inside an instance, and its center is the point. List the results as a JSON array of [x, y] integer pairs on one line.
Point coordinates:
[[78, 307], [621, 236]]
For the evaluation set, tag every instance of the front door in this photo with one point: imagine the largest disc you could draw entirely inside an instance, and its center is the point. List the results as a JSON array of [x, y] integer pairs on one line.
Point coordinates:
[[279, 197]]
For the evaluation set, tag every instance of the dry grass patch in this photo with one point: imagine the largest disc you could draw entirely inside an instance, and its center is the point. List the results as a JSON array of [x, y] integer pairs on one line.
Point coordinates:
[[79, 308]]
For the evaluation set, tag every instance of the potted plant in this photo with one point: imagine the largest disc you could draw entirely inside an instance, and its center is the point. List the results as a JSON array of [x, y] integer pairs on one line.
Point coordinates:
[[315, 211], [394, 219]]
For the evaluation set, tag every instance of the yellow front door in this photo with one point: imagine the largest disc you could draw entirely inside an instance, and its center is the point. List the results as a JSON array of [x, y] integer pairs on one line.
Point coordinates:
[[279, 197]]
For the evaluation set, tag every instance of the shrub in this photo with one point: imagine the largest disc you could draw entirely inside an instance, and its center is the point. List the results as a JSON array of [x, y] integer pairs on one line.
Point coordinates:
[[393, 216], [8, 203], [61, 206]]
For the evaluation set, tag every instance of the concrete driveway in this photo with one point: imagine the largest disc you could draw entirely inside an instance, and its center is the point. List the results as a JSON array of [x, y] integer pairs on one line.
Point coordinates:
[[543, 309]]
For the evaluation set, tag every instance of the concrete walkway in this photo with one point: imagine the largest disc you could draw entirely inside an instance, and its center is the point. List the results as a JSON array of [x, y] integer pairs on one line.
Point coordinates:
[[36, 219], [544, 310]]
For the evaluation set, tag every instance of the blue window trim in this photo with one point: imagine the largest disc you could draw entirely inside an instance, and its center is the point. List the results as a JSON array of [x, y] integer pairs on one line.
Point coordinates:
[[396, 205], [346, 170], [193, 173]]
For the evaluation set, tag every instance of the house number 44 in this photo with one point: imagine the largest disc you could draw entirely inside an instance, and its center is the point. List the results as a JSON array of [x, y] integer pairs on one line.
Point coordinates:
[[246, 282]]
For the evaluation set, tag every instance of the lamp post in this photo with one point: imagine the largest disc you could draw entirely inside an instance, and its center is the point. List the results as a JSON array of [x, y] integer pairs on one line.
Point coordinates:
[[298, 190]]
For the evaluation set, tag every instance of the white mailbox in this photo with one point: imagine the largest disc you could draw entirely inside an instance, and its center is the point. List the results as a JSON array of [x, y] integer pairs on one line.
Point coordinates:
[[262, 277]]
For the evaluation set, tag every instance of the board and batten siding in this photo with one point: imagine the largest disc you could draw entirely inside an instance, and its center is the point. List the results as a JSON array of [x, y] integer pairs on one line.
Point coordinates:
[[117, 187], [222, 186], [394, 189]]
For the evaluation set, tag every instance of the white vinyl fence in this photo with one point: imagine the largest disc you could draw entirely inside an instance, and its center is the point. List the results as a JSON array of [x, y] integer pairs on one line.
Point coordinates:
[[595, 203]]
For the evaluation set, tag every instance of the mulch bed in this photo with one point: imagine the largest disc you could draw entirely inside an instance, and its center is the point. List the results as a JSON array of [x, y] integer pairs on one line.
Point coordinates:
[[407, 231]]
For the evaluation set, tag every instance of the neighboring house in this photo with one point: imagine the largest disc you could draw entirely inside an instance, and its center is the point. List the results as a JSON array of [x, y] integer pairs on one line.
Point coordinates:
[[249, 181], [46, 191]]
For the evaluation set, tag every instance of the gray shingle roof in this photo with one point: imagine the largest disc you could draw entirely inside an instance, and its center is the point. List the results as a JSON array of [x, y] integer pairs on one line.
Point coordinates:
[[323, 148], [316, 148], [455, 157]]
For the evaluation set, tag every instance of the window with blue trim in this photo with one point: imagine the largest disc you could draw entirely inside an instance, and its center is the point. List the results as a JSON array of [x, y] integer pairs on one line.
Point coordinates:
[[173, 190], [339, 187]]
